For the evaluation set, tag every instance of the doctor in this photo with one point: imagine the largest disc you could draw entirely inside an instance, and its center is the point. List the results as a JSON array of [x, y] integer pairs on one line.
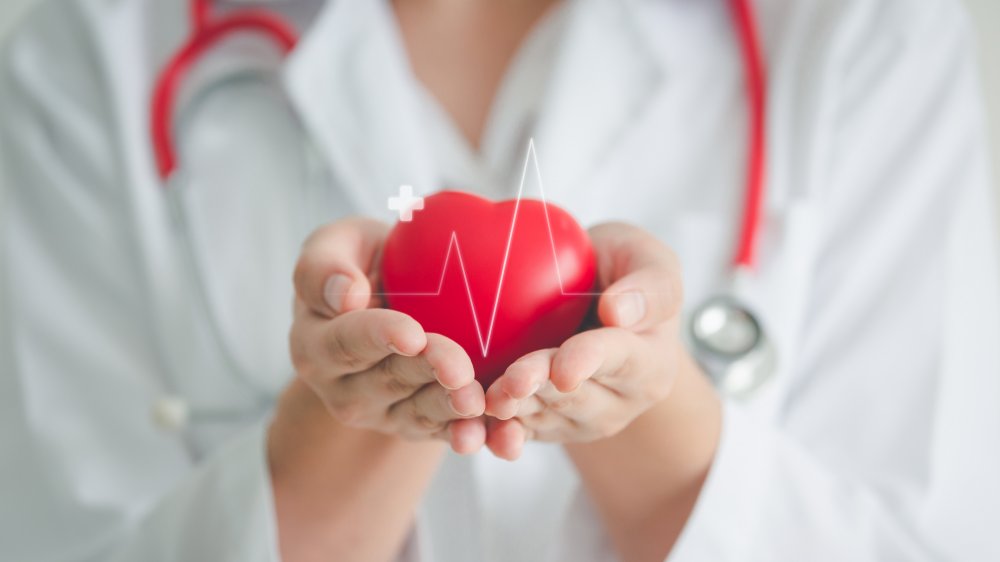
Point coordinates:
[[136, 417]]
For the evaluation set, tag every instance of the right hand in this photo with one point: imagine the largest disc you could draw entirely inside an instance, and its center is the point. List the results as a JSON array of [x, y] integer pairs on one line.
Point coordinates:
[[375, 368]]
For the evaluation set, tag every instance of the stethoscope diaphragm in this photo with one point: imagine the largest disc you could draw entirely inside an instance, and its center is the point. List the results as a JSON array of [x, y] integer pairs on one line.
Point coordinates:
[[731, 345]]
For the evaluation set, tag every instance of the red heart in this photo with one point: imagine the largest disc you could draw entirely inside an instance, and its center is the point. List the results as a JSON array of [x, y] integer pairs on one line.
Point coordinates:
[[496, 313]]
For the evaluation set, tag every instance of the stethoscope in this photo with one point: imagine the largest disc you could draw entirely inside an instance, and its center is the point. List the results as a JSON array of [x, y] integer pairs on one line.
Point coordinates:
[[724, 334]]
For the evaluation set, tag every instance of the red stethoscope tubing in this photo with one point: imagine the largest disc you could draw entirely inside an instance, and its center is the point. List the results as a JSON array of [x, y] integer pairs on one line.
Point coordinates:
[[208, 30], [756, 95]]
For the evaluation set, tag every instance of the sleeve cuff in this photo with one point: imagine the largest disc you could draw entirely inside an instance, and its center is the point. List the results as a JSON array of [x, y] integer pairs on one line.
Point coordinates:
[[723, 523]]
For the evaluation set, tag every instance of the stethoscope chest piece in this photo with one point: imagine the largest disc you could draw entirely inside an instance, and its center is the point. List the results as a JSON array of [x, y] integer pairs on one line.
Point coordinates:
[[732, 346]]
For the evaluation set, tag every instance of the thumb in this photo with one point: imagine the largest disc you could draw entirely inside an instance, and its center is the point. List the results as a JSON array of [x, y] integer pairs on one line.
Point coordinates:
[[640, 275], [640, 300], [331, 276]]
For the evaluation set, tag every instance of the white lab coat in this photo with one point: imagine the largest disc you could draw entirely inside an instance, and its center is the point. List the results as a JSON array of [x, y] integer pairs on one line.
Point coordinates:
[[879, 438]]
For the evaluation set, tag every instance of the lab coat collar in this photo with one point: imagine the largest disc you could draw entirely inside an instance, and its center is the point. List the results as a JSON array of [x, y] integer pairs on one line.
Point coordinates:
[[353, 89], [607, 84], [351, 85]]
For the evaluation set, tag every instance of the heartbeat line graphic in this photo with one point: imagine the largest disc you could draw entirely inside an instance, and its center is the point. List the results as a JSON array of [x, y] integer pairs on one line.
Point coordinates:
[[455, 248]]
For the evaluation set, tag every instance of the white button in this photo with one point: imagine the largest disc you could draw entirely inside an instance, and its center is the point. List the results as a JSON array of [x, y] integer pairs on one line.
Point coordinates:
[[171, 413]]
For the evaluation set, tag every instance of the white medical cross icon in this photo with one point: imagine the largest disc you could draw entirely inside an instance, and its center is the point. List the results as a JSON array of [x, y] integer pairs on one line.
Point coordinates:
[[406, 203]]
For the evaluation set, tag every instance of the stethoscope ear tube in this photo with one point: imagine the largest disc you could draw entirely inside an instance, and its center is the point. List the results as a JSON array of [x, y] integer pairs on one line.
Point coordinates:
[[206, 33]]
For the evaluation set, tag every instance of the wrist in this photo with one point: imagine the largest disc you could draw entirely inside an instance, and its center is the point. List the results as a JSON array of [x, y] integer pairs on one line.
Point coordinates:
[[333, 484], [648, 477], [303, 435]]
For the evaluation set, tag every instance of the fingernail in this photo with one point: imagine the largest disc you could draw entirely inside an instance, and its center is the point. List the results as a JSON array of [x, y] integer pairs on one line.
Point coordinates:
[[534, 389], [508, 409], [451, 403], [630, 308], [335, 291]]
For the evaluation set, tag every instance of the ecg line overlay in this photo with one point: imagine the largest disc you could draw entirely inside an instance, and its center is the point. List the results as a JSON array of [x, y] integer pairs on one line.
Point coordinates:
[[454, 247]]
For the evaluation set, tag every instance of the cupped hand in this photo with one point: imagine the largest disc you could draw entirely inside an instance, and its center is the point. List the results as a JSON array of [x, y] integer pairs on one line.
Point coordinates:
[[601, 379], [375, 368]]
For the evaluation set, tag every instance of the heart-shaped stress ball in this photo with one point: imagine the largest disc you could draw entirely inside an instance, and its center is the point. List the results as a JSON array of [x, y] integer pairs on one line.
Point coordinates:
[[501, 279]]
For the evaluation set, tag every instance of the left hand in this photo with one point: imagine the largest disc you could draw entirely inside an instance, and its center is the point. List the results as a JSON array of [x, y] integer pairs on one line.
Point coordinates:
[[600, 380]]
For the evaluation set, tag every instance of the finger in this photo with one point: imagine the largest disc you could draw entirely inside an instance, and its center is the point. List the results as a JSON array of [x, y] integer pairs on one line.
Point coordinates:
[[578, 359], [506, 438], [467, 436], [551, 410], [640, 300], [640, 275], [395, 378], [530, 406], [537, 403], [430, 409], [521, 379], [398, 376], [331, 275], [450, 364], [357, 340], [601, 355]]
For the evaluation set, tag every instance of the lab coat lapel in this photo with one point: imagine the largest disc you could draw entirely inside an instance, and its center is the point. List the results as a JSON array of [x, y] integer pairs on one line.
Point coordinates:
[[604, 87], [353, 90]]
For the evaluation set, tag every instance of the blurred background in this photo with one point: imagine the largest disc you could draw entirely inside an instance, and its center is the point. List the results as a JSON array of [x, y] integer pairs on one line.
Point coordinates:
[[985, 15]]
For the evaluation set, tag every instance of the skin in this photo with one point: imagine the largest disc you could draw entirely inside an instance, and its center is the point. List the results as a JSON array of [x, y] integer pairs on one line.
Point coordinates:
[[357, 436], [373, 388], [637, 417], [460, 50], [374, 368], [601, 379]]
